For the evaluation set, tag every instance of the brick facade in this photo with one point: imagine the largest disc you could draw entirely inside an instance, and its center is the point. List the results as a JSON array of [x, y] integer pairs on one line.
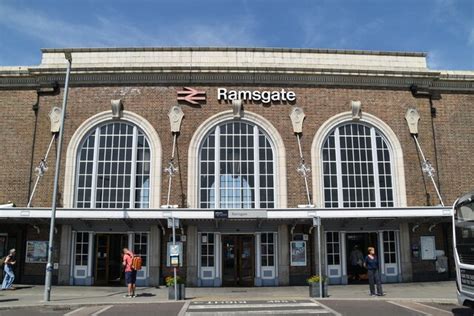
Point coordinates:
[[445, 134], [450, 128]]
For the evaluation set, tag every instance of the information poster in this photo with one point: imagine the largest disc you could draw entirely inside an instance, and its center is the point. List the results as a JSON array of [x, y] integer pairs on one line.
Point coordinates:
[[298, 253], [36, 251], [428, 248]]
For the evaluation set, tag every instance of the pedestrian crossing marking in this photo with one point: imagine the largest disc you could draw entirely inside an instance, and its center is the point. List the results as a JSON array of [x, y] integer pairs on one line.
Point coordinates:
[[257, 307], [252, 306], [262, 312]]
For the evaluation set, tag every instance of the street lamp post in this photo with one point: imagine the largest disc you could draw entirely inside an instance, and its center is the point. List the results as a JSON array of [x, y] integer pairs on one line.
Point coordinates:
[[317, 223], [49, 265], [174, 266]]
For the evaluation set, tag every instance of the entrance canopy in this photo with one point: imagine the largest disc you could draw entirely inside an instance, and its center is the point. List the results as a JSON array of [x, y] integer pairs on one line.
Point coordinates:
[[186, 213]]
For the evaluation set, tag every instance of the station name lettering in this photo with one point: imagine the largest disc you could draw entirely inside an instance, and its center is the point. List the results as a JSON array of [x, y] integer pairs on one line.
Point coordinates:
[[256, 95]]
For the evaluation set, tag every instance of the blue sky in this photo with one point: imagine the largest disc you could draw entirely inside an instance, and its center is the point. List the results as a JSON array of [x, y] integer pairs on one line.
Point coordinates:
[[442, 28]]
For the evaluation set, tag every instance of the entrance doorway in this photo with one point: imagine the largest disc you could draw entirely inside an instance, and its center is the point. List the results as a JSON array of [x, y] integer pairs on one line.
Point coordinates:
[[108, 258], [238, 259], [356, 250]]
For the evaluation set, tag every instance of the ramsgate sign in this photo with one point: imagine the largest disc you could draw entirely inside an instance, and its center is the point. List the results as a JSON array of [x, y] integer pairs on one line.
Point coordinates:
[[256, 95]]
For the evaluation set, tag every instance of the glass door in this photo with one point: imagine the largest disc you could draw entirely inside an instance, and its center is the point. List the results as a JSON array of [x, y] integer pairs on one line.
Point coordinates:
[[102, 259], [116, 270], [238, 260], [356, 250], [247, 260], [108, 259]]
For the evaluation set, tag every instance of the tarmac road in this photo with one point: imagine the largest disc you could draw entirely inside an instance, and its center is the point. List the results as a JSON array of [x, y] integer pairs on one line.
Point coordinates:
[[427, 298], [256, 307]]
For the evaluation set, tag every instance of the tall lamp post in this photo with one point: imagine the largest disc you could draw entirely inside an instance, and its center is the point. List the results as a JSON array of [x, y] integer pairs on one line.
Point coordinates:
[[49, 265], [317, 223]]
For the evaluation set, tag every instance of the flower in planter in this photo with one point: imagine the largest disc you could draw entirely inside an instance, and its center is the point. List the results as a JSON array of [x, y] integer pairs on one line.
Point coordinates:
[[315, 279], [169, 280]]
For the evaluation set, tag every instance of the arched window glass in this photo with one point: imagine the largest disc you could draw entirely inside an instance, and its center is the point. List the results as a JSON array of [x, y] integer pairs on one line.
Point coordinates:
[[357, 167], [113, 168], [236, 168]]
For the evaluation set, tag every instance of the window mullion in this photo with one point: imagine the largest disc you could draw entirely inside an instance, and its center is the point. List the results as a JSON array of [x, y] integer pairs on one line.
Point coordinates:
[[373, 138], [133, 167], [217, 168], [256, 159], [94, 168], [337, 145]]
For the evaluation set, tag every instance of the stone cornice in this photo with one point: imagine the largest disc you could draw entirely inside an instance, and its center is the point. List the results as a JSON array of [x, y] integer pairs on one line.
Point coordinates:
[[238, 76]]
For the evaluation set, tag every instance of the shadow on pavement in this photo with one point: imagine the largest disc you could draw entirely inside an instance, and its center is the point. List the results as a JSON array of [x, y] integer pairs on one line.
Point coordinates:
[[86, 297], [9, 300], [22, 287], [145, 295]]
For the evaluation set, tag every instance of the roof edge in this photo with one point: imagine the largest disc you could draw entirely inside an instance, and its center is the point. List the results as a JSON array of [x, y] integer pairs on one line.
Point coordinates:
[[238, 49]]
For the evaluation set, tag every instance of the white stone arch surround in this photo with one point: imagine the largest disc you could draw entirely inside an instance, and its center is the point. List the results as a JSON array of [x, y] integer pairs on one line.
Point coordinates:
[[281, 194], [393, 143], [87, 126]]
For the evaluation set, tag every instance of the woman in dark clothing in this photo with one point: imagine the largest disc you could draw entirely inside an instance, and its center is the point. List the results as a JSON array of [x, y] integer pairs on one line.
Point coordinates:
[[372, 265]]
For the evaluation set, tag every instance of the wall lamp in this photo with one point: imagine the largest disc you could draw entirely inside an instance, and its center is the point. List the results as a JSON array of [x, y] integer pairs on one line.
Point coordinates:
[[414, 228]]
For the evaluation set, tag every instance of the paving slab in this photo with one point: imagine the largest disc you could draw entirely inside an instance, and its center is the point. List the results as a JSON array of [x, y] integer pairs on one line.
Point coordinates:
[[91, 295]]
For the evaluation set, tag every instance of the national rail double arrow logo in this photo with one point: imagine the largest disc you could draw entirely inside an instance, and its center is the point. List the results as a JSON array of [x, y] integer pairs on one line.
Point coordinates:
[[191, 95]]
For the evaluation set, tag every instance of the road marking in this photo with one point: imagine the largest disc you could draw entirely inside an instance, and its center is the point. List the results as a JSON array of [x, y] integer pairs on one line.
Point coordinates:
[[410, 308], [264, 312], [183, 310], [252, 306], [256, 307], [435, 308], [74, 311], [102, 310], [326, 307], [87, 310]]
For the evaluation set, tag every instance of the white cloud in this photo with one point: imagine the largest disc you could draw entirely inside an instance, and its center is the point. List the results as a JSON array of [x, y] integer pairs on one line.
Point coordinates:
[[117, 31], [444, 9], [434, 59], [318, 30], [313, 27], [455, 16]]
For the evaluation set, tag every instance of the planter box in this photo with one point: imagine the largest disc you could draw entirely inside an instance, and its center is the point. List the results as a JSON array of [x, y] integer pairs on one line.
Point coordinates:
[[181, 292], [314, 290]]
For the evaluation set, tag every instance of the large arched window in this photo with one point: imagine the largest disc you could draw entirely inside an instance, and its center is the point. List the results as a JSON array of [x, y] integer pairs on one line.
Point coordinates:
[[357, 167], [236, 167], [113, 168]]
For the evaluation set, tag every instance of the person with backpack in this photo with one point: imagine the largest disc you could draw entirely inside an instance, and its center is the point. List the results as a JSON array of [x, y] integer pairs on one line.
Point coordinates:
[[130, 272], [9, 262]]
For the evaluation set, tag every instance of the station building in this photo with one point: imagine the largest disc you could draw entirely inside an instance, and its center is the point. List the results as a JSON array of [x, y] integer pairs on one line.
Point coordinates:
[[249, 149]]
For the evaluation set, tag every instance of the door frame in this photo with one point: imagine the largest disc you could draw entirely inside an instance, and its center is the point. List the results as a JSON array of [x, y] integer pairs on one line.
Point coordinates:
[[379, 249], [237, 236], [345, 257], [96, 246], [129, 244]]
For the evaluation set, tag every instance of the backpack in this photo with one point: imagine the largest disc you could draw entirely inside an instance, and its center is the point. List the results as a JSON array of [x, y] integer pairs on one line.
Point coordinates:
[[136, 263], [2, 261]]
